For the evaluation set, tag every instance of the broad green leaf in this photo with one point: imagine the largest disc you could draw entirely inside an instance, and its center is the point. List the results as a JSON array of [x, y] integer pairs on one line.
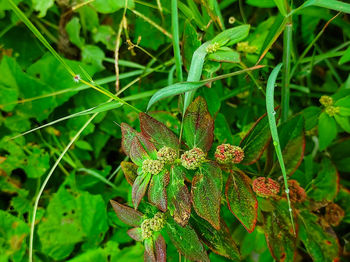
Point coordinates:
[[329, 4], [157, 190], [139, 188], [231, 36], [256, 141], [90, 255], [8, 96], [206, 193], [325, 185], [73, 29], [130, 171], [225, 55], [110, 6], [190, 43], [93, 55], [279, 233], [327, 130], [343, 121], [127, 214], [157, 132], [241, 199], [42, 6], [346, 57], [343, 102], [219, 241], [311, 115], [186, 241], [13, 235], [198, 125], [261, 3], [37, 163], [179, 199], [222, 130], [321, 243]]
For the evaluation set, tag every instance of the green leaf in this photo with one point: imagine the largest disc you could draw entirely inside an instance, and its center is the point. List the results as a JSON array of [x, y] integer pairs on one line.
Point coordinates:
[[157, 132], [279, 233], [190, 43], [42, 6], [232, 35], [198, 125], [127, 214], [256, 141], [343, 102], [222, 130], [130, 171], [219, 241], [186, 241], [93, 55], [321, 244], [37, 163], [346, 57], [139, 188], [90, 256], [110, 6], [262, 3], [73, 29], [13, 235], [241, 199], [281, 5], [325, 185], [343, 200], [327, 130], [157, 190], [179, 199], [206, 193], [329, 4], [343, 121], [226, 55]]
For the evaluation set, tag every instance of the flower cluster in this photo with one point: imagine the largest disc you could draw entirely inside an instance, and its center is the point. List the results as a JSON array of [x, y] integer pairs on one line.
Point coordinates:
[[226, 154], [265, 187], [151, 225], [327, 102], [193, 158], [152, 166], [246, 48], [166, 155], [332, 110], [334, 214], [212, 48]]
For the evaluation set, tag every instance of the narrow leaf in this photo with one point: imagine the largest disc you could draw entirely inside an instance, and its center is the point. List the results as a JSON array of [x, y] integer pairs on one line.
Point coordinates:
[[128, 134], [139, 188], [135, 233], [231, 36], [160, 248], [127, 214], [130, 171], [327, 130], [157, 190], [149, 255]]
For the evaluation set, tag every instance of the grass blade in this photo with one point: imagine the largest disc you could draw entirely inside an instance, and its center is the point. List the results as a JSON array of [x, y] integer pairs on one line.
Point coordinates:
[[273, 128], [329, 4], [176, 43]]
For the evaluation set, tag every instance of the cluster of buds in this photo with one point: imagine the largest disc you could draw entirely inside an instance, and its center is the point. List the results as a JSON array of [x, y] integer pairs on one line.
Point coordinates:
[[265, 187], [166, 155], [212, 48], [334, 214], [227, 154], [332, 110], [193, 158], [296, 192], [152, 166], [246, 48], [326, 101], [151, 225]]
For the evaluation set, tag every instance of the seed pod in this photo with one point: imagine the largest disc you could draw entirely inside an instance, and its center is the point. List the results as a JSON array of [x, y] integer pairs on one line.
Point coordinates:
[[265, 187]]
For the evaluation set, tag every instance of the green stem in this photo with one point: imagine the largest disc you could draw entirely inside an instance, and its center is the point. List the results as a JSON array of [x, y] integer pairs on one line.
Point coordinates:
[[287, 43], [176, 44]]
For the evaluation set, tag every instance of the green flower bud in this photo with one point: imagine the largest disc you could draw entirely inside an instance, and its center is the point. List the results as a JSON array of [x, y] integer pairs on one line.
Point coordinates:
[[146, 229], [152, 166], [166, 155], [193, 158], [246, 48], [326, 101], [332, 110], [157, 222], [212, 48]]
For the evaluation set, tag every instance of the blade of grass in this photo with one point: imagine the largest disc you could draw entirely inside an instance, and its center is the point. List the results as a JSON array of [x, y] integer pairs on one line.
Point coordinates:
[[287, 44], [176, 44], [98, 176], [273, 128]]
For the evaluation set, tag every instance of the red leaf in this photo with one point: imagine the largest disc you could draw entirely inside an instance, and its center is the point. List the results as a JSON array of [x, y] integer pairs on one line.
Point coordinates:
[[160, 248], [157, 190], [130, 171], [127, 214], [149, 250], [241, 199], [198, 125], [157, 132], [139, 188], [135, 233], [206, 193], [137, 152]]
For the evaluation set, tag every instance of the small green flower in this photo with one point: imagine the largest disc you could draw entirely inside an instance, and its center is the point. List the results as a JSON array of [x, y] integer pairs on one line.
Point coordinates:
[[332, 110], [146, 229], [193, 158], [157, 222], [152, 166], [212, 48], [326, 101], [246, 48], [166, 155]]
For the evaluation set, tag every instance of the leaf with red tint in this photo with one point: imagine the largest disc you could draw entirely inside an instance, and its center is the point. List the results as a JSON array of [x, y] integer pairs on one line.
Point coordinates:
[[147, 145], [179, 198], [157, 132], [128, 134], [256, 141], [137, 152], [219, 241], [130, 171], [186, 241], [127, 214], [149, 255], [135, 233], [292, 141], [160, 248], [279, 232], [198, 126], [157, 190], [206, 193], [139, 188], [241, 199]]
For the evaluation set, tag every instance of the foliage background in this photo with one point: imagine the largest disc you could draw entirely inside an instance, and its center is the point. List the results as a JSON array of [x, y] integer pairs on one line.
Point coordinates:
[[74, 221]]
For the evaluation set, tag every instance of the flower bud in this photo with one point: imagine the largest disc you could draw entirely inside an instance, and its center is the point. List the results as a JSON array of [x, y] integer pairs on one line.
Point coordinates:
[[157, 222], [332, 110], [166, 155], [334, 214], [212, 48], [152, 166], [246, 48], [265, 187], [146, 229], [226, 154], [326, 101], [193, 158]]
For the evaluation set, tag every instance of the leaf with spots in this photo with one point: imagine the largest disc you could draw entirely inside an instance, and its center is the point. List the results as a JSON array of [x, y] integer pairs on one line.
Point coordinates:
[[186, 241], [198, 126], [130, 171], [206, 193], [157, 190], [127, 214], [241, 199]]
